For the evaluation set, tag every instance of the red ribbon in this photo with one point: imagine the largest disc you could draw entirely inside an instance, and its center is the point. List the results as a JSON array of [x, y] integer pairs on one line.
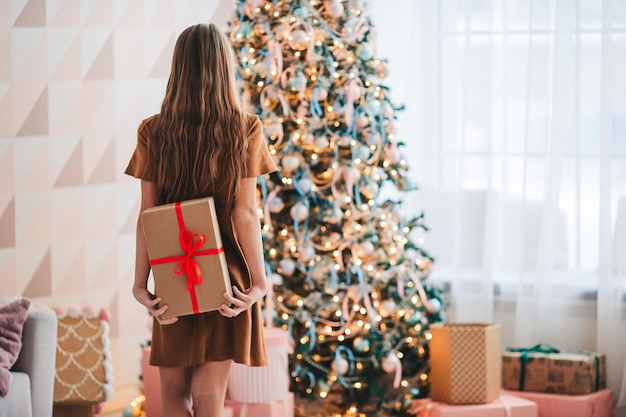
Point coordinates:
[[186, 264]]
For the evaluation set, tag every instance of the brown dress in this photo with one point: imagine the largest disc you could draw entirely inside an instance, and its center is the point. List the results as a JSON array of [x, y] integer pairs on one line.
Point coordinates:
[[204, 337]]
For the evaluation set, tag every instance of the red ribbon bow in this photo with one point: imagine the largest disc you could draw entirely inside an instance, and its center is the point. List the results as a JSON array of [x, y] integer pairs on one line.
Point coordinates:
[[190, 243], [186, 264]]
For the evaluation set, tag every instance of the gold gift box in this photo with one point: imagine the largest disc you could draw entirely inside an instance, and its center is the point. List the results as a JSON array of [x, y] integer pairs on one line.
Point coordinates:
[[465, 363]]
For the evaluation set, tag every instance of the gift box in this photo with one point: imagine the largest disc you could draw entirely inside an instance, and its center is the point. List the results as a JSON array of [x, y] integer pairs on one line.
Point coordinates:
[[505, 405], [263, 384], [465, 363], [543, 368], [187, 256], [597, 404], [284, 408]]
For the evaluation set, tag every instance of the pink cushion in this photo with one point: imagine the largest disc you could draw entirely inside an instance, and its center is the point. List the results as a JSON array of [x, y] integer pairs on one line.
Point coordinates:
[[12, 318]]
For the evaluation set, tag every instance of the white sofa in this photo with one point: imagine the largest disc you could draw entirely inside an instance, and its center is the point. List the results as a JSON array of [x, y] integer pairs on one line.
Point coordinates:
[[32, 385]]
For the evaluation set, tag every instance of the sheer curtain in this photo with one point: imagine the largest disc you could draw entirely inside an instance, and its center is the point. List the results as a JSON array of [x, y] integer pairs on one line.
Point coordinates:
[[516, 132]]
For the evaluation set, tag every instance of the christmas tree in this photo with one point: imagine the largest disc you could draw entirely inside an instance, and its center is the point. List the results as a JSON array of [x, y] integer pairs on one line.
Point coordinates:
[[350, 275]]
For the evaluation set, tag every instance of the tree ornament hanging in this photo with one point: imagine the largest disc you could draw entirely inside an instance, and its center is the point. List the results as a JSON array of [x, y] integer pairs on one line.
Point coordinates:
[[299, 212], [334, 9], [287, 267]]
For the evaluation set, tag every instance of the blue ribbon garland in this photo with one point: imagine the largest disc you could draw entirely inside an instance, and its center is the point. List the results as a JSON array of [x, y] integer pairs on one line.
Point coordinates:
[[351, 362]]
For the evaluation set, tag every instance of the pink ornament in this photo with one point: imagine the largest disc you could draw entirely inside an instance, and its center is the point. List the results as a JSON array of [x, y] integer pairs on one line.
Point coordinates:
[[321, 94], [387, 308], [299, 40], [390, 362], [276, 205], [299, 212], [322, 142], [334, 9], [307, 253], [274, 130], [361, 121]]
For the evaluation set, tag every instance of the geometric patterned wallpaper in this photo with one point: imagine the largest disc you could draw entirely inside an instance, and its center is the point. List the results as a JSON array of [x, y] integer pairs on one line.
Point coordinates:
[[76, 79]]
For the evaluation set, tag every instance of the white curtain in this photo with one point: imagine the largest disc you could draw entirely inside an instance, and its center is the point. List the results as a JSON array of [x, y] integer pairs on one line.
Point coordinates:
[[516, 132]]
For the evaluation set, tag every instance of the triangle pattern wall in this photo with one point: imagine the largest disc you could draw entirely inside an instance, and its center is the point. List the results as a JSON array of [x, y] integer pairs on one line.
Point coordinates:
[[76, 79]]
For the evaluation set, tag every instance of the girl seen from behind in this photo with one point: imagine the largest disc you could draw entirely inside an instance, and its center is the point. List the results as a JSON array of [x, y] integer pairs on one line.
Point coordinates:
[[202, 144]]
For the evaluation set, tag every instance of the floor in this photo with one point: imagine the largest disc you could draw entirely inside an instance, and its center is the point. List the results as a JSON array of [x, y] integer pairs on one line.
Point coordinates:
[[120, 400]]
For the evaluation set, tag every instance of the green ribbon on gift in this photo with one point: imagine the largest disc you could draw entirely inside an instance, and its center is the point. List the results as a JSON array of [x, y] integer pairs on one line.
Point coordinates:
[[547, 349], [525, 357]]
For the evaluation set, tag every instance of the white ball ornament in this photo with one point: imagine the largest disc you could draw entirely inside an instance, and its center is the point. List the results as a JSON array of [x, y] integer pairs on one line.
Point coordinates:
[[322, 142], [361, 344], [290, 162], [361, 152], [307, 253], [340, 366], [334, 9], [276, 279], [301, 12], [435, 305], [305, 184], [387, 308], [299, 40], [287, 267], [374, 105], [276, 205], [372, 139], [345, 140], [299, 212]]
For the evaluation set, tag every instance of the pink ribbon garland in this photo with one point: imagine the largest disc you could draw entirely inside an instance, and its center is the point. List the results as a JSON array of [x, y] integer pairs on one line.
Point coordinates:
[[267, 216], [420, 290]]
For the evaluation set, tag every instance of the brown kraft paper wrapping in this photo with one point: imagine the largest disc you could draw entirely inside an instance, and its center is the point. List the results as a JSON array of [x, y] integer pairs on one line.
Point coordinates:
[[184, 267], [572, 373]]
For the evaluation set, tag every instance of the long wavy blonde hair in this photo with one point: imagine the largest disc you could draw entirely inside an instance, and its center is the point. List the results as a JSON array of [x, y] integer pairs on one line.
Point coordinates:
[[200, 136]]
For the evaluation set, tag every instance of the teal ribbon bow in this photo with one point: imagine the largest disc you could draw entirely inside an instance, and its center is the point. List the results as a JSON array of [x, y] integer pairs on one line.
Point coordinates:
[[547, 349]]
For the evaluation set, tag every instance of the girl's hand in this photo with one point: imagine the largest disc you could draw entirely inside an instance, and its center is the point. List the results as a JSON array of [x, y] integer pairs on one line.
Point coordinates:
[[151, 302], [240, 301]]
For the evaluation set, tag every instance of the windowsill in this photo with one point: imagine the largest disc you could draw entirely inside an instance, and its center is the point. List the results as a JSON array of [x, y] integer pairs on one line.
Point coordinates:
[[563, 284]]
